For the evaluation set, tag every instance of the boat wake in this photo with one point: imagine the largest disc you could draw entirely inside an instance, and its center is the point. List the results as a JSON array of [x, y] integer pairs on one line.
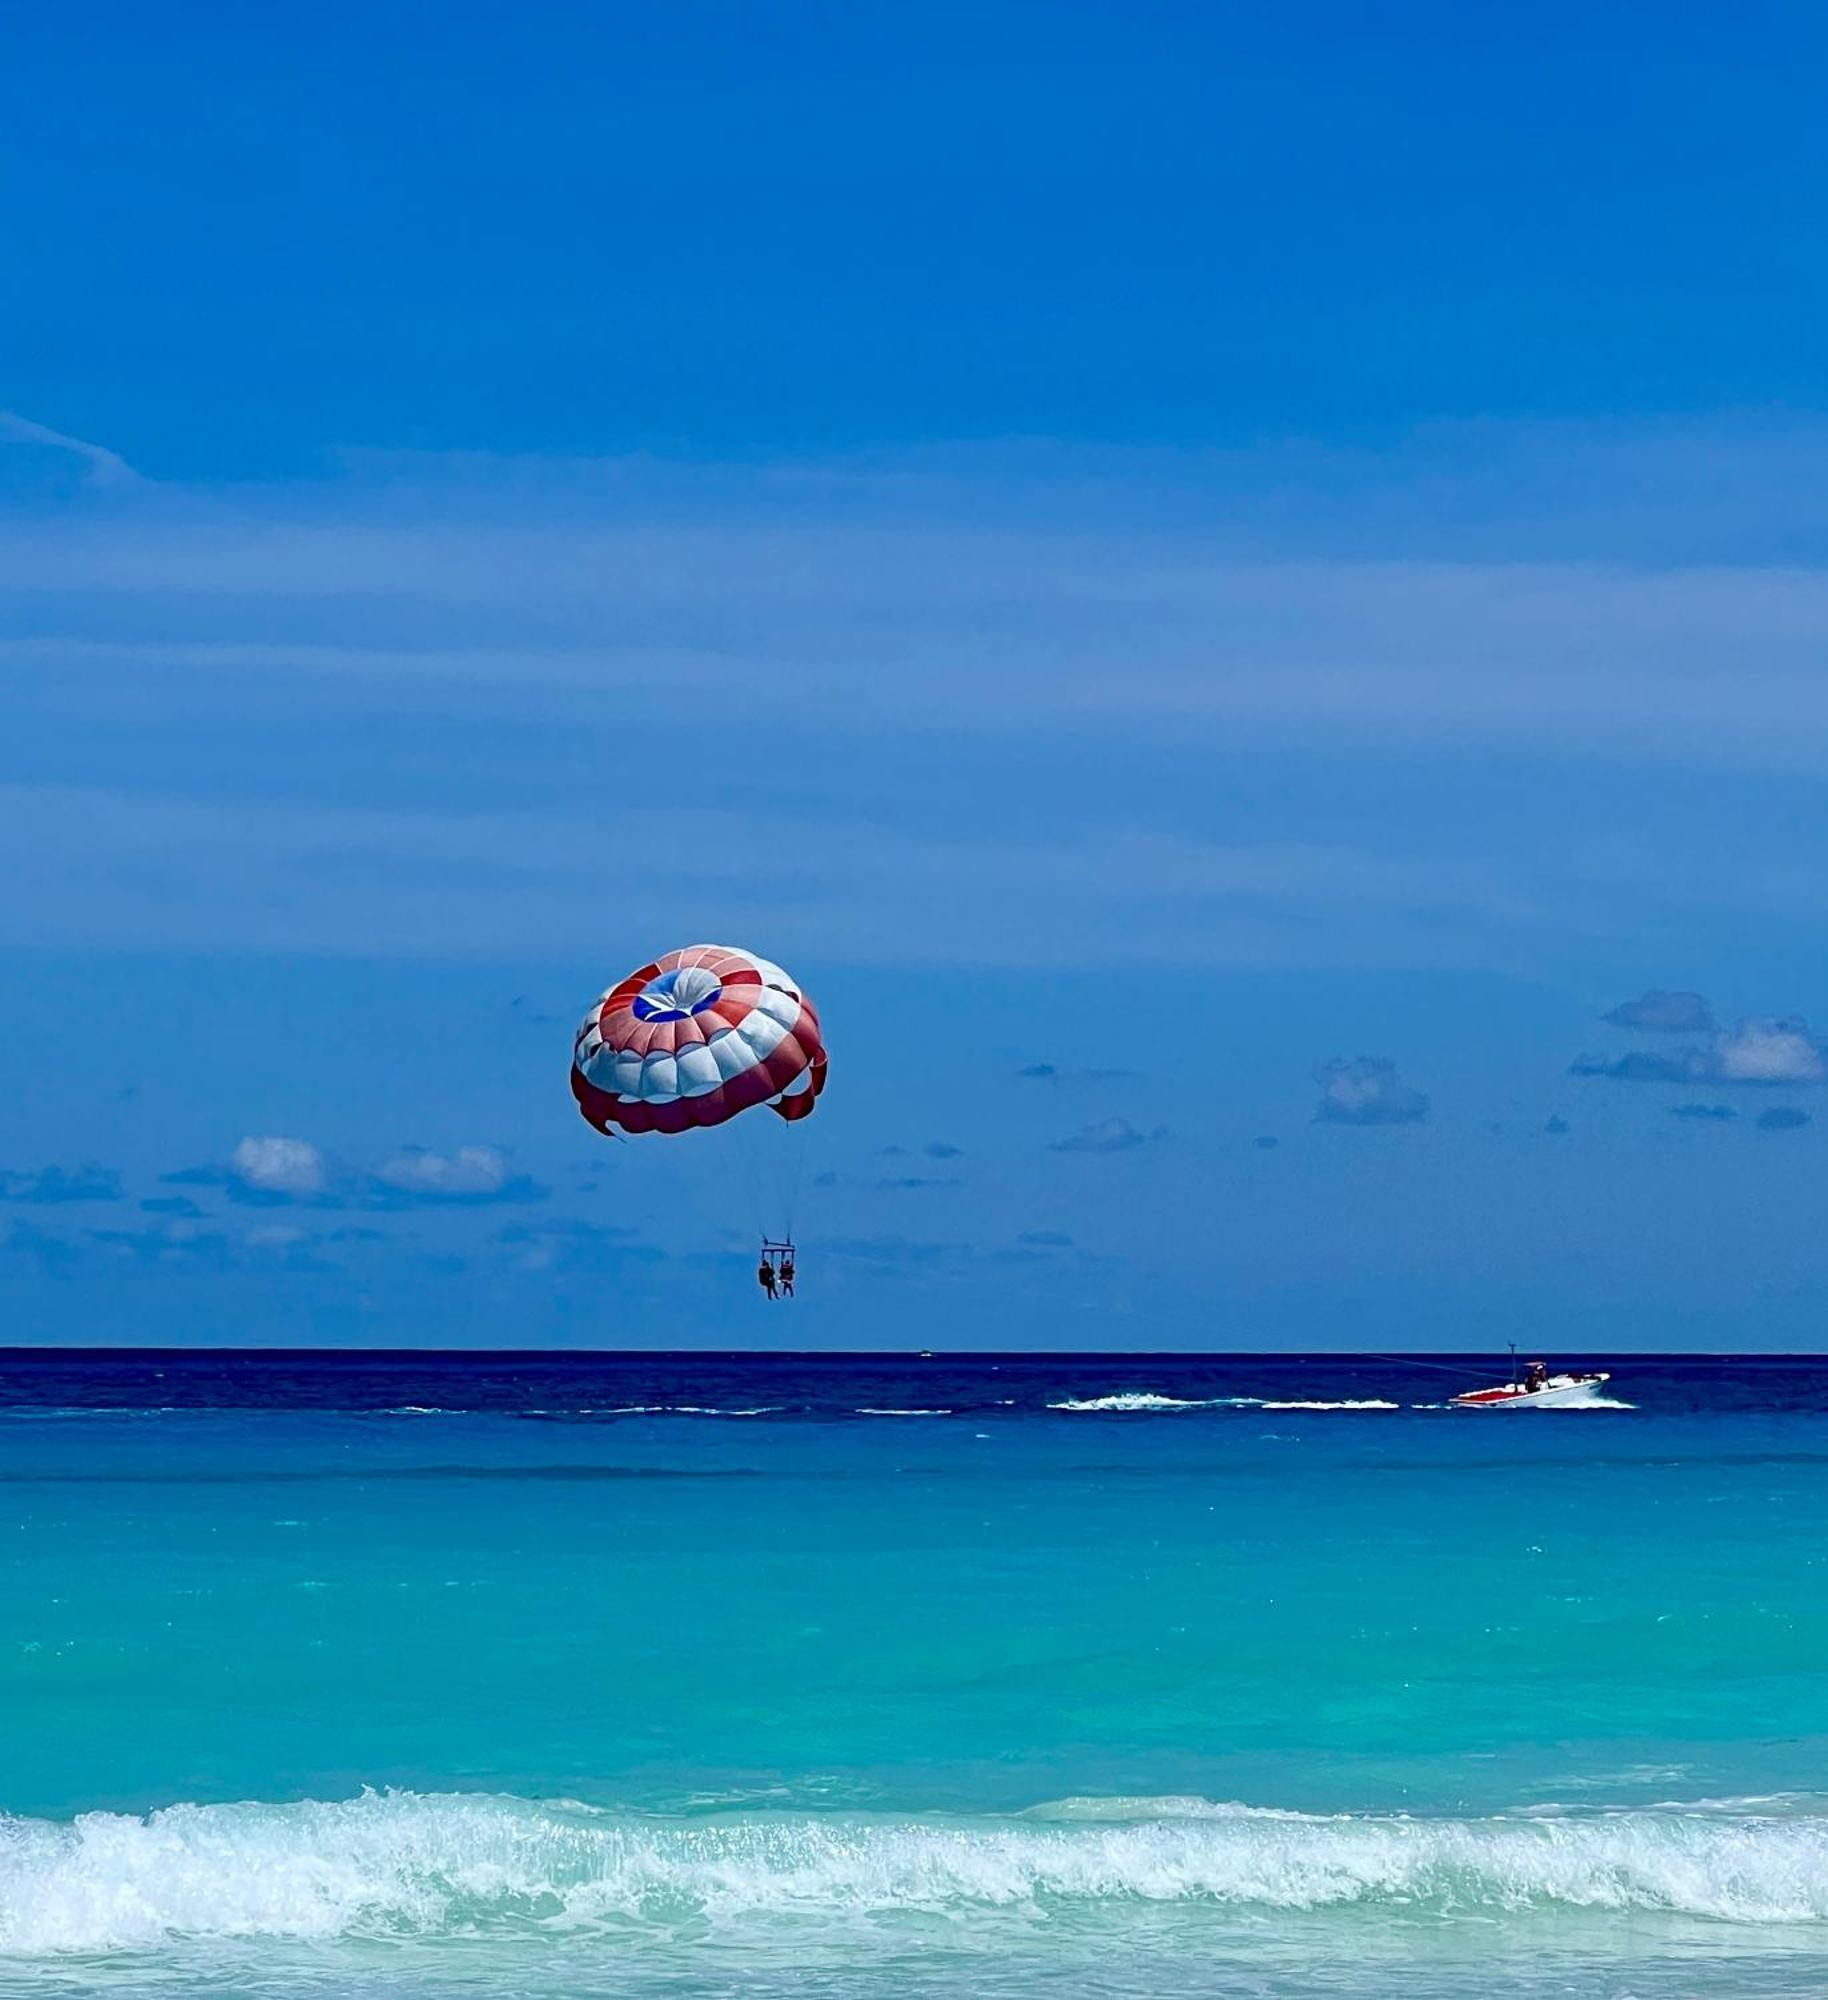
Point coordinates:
[[1345, 1403], [1141, 1401]]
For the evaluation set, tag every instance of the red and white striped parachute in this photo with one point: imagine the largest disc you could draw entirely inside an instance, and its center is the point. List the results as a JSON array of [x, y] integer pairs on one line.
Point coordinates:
[[695, 1038]]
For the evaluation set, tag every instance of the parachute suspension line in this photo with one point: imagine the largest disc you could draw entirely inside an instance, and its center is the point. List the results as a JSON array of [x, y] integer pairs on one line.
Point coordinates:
[[772, 1151], [796, 1170], [752, 1169]]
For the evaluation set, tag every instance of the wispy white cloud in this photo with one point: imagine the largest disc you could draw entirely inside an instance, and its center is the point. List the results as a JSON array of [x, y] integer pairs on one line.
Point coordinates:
[[101, 467], [270, 1171], [468, 1172], [1156, 601], [141, 870], [743, 639]]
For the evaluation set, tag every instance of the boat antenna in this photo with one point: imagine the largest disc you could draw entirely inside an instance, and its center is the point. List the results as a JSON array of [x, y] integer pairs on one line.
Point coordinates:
[[1513, 1364]]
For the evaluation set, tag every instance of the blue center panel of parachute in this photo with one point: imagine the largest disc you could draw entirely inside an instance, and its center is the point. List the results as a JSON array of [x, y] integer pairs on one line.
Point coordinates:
[[672, 996]]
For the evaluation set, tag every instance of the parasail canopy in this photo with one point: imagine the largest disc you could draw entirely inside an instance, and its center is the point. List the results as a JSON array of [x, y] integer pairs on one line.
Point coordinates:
[[695, 1038]]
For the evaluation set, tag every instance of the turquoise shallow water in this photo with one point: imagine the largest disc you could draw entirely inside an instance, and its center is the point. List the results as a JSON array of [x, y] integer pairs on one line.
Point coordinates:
[[1080, 1674]]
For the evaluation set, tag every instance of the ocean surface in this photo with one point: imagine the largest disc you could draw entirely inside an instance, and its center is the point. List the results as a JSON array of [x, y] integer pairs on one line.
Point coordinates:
[[840, 1675]]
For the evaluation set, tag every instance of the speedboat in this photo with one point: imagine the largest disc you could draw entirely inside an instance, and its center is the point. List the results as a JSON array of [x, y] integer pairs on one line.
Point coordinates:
[[1552, 1392]]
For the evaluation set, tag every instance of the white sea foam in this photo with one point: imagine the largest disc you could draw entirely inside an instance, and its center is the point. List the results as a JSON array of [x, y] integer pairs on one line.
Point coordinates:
[[866, 1412], [580, 1411], [1142, 1399], [658, 1410], [402, 1864], [1348, 1403], [35, 1413]]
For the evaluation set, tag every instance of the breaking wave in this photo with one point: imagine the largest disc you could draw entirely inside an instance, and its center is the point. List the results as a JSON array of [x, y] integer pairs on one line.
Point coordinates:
[[401, 1864]]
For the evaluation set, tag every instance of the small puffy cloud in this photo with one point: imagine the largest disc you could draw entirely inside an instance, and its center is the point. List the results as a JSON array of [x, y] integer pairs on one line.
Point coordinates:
[[908, 1183], [1782, 1118], [1661, 1012], [1703, 1111], [471, 1174], [938, 1149], [48, 1186], [1266, 1142], [279, 1166], [272, 1171], [171, 1204], [1107, 1135], [1557, 1127], [1770, 1052], [1366, 1091], [266, 1173], [1039, 1072], [1763, 1050], [470, 1170]]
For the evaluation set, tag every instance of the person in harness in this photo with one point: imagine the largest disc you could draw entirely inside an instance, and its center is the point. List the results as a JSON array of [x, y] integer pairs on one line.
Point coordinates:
[[775, 1272]]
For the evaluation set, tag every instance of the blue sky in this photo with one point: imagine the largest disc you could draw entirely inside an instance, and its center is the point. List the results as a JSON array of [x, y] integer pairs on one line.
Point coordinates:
[[1204, 577]]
